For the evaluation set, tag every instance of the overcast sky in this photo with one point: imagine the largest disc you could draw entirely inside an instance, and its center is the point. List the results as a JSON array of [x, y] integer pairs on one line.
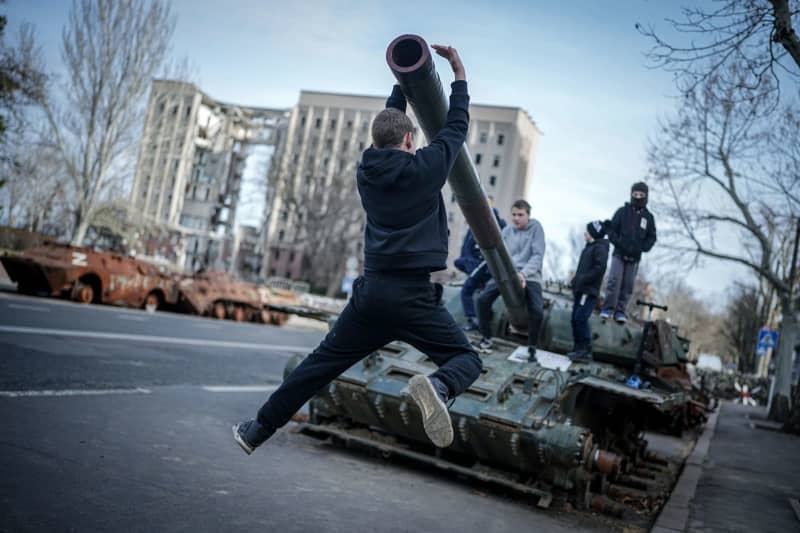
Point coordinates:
[[577, 67]]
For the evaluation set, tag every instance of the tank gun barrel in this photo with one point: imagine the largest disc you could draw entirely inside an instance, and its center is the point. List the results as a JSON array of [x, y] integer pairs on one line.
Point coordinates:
[[410, 61]]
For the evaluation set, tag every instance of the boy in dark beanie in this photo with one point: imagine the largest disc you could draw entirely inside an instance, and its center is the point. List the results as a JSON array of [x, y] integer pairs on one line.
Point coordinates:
[[586, 286], [631, 231], [405, 240]]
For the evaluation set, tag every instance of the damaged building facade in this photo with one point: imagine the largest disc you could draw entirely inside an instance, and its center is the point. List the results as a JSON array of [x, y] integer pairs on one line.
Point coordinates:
[[192, 157], [189, 172]]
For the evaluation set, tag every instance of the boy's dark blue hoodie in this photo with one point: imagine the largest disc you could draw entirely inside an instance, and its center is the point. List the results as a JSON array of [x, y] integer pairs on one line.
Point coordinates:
[[401, 193]]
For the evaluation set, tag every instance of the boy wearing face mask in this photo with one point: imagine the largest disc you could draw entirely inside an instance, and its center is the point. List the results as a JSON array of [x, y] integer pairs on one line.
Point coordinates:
[[632, 231]]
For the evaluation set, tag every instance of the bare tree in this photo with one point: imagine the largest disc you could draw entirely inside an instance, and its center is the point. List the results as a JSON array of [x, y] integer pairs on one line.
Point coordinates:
[[111, 49], [746, 312], [730, 189], [759, 35], [328, 224], [694, 319]]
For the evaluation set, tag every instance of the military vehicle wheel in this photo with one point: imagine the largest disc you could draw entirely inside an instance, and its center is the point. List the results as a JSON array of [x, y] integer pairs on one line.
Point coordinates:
[[152, 302], [279, 319], [219, 310], [82, 293], [239, 314], [265, 316]]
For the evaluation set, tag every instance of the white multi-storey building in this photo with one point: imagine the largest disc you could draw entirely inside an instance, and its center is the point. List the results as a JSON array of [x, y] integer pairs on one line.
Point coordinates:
[[326, 134]]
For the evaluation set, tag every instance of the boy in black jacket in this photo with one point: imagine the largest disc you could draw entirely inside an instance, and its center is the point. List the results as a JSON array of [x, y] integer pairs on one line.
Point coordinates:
[[405, 240], [586, 287], [631, 231]]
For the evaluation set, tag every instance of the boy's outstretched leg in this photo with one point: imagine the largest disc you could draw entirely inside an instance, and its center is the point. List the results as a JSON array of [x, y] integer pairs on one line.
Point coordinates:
[[349, 341]]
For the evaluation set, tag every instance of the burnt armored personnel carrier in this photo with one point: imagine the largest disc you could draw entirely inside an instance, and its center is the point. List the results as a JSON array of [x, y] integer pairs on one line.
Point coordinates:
[[539, 428], [219, 295], [87, 276]]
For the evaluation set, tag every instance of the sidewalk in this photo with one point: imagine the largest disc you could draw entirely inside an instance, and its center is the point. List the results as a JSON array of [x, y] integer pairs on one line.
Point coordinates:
[[741, 477]]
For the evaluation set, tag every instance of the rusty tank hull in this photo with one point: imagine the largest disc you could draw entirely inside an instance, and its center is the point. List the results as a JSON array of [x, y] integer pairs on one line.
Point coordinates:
[[87, 276]]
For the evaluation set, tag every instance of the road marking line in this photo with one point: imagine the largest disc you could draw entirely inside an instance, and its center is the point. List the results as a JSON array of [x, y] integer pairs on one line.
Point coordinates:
[[132, 317], [158, 339], [207, 326], [29, 307], [71, 392], [240, 388]]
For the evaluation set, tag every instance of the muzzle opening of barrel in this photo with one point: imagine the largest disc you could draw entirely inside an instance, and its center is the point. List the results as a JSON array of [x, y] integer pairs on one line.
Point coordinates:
[[406, 53]]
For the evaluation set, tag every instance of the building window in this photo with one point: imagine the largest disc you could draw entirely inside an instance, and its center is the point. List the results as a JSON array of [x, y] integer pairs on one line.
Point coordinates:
[[303, 120], [189, 111], [288, 274], [318, 123], [478, 158], [271, 271], [344, 145], [280, 235], [333, 123], [361, 145], [496, 162], [277, 254], [500, 139], [291, 257], [329, 144], [349, 124], [194, 191], [208, 192], [484, 137], [493, 180], [284, 215], [296, 158]]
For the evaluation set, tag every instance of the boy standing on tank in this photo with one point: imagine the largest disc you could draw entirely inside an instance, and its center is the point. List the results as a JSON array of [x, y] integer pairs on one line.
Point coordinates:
[[632, 231], [586, 286], [405, 240]]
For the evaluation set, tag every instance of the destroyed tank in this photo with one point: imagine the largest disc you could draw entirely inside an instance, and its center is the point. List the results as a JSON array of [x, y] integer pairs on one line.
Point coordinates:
[[538, 428]]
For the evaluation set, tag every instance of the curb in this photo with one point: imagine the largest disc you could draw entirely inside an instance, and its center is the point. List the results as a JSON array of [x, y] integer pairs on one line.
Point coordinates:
[[674, 517]]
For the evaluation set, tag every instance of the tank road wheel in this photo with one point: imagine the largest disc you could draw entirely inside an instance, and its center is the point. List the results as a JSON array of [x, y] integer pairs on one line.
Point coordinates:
[[265, 316], [152, 302], [239, 314], [82, 293], [219, 310]]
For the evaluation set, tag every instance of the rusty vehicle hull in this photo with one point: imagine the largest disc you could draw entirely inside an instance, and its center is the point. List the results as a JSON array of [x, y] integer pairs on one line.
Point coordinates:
[[219, 295], [87, 276]]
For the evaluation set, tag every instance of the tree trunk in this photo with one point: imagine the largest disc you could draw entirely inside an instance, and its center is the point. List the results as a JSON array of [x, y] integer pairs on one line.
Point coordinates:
[[81, 227], [783, 365]]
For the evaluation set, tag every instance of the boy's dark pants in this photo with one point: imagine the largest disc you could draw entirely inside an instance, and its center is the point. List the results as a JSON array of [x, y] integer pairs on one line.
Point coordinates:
[[619, 287], [533, 295], [471, 284], [383, 308], [581, 312]]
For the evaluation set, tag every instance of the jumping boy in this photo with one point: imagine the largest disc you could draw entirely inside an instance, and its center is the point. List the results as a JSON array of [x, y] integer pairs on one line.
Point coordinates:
[[405, 240]]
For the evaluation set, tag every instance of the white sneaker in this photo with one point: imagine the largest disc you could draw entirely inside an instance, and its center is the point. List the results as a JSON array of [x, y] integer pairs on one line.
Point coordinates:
[[435, 416]]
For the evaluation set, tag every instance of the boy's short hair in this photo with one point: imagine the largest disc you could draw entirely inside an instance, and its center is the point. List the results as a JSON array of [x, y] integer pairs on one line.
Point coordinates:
[[389, 128], [522, 204]]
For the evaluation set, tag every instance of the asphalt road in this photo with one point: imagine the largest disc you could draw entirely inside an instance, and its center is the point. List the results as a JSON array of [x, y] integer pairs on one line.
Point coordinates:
[[119, 420]]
